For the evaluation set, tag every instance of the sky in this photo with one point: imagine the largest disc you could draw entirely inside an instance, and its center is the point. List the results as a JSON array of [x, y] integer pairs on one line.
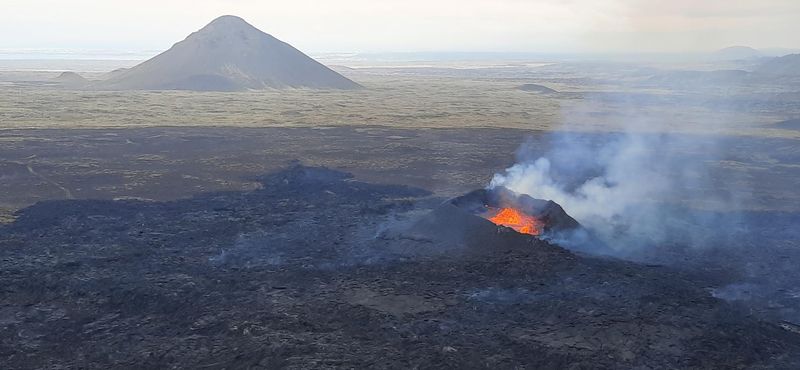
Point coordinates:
[[535, 26]]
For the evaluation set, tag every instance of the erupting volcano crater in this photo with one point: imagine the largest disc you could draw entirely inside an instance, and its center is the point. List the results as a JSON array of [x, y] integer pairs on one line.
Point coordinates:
[[498, 218], [515, 219], [520, 212]]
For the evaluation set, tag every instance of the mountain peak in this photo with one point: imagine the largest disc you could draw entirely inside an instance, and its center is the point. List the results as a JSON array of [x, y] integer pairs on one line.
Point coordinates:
[[230, 54], [228, 23], [228, 19]]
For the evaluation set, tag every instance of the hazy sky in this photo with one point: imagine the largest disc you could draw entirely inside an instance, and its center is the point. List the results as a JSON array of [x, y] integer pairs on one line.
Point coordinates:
[[412, 25]]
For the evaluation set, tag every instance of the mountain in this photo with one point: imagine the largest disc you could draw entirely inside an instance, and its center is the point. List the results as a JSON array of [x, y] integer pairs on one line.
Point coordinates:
[[736, 53], [228, 54], [786, 66]]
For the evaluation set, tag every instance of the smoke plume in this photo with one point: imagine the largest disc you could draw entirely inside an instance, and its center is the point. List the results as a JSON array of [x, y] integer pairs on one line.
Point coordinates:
[[634, 189]]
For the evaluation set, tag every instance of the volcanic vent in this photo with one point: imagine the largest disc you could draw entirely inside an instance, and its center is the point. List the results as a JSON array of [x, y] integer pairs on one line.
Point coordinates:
[[499, 218], [519, 211], [515, 219]]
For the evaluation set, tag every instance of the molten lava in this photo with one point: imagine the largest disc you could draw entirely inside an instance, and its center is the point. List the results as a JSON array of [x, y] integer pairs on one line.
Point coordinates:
[[515, 219]]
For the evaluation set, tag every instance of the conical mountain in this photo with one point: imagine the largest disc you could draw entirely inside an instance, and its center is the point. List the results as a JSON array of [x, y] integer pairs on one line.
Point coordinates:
[[229, 54]]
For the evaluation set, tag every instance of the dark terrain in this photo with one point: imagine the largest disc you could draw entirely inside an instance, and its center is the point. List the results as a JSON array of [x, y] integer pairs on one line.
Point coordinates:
[[209, 248]]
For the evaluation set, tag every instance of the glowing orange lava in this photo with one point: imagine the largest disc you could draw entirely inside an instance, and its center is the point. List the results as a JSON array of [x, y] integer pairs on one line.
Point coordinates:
[[515, 219]]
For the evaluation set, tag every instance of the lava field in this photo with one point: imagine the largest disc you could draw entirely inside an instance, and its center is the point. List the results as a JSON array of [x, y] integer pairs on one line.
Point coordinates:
[[308, 271]]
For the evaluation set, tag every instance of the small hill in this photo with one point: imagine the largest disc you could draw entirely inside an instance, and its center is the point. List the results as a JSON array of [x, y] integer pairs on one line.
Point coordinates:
[[71, 79], [736, 53], [785, 66], [228, 54], [536, 88]]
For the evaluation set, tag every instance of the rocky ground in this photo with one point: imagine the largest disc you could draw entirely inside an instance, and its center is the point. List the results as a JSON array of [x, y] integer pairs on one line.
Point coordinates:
[[291, 275]]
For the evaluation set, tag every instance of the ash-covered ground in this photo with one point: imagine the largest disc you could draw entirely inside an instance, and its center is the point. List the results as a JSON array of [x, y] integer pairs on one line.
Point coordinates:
[[218, 256]]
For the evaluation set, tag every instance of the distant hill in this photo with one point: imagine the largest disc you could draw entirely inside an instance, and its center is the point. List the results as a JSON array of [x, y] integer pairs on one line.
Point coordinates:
[[536, 88], [736, 53], [786, 66], [228, 54], [71, 80]]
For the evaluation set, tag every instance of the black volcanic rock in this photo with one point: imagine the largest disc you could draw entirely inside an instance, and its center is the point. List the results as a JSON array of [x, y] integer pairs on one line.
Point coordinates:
[[228, 55]]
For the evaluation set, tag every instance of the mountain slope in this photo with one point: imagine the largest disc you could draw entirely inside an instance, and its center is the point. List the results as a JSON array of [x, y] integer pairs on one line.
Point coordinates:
[[786, 66], [228, 55]]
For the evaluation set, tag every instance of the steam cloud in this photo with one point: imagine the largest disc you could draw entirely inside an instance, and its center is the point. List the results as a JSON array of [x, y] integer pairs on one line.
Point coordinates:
[[634, 189]]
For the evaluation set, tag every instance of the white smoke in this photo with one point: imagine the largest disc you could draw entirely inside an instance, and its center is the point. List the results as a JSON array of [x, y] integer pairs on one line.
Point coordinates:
[[633, 190]]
